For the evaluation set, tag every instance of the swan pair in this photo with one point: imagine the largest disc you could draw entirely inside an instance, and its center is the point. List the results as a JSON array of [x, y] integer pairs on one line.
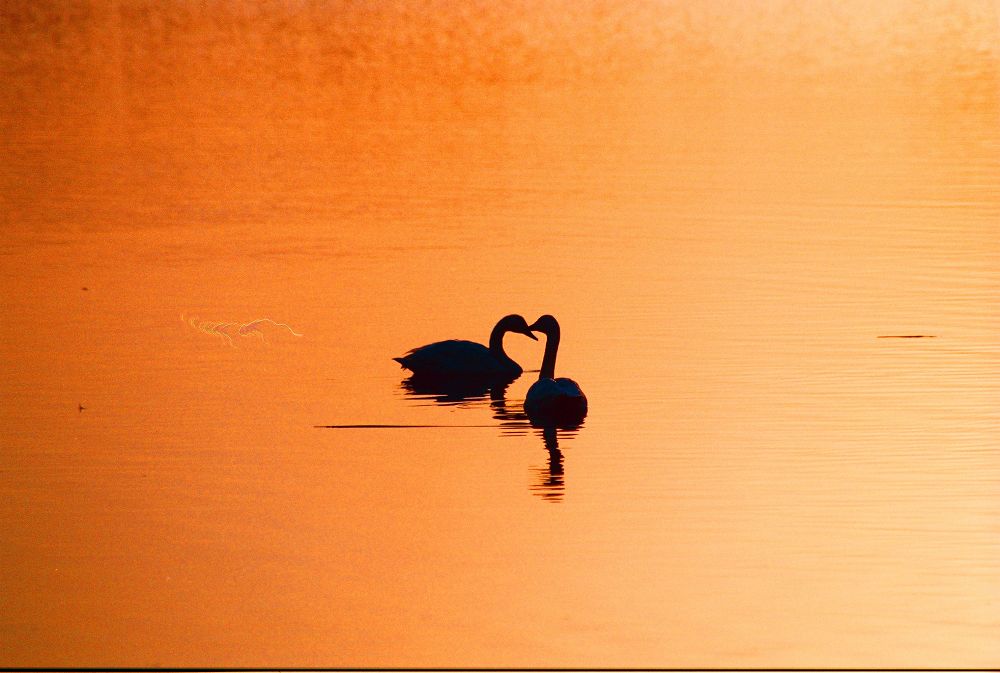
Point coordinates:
[[549, 398]]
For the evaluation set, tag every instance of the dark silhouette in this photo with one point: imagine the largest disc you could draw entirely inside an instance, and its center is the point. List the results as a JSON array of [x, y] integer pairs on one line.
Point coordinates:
[[551, 401], [513, 422], [394, 426], [445, 390], [551, 485], [466, 361]]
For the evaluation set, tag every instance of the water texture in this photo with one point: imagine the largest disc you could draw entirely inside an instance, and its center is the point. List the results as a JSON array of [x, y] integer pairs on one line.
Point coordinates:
[[734, 211]]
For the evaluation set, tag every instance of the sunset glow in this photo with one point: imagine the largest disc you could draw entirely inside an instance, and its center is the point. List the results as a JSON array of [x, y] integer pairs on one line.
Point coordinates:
[[768, 231]]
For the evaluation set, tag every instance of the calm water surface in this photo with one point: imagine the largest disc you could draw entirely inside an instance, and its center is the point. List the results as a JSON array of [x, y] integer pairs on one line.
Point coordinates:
[[724, 208]]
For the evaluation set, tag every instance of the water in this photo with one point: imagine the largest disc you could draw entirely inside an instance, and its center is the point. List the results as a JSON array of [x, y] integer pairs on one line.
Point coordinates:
[[725, 208]]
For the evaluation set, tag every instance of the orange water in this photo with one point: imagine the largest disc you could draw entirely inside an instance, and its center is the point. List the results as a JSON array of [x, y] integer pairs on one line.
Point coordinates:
[[725, 208]]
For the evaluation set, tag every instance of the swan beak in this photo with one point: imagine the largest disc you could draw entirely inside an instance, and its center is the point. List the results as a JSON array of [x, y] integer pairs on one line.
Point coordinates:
[[529, 333]]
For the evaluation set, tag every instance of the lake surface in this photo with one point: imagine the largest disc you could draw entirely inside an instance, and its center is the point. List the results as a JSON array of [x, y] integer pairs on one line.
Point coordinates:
[[726, 208]]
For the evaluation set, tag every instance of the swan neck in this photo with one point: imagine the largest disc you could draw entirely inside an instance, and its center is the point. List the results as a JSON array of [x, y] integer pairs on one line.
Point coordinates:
[[548, 370], [496, 340]]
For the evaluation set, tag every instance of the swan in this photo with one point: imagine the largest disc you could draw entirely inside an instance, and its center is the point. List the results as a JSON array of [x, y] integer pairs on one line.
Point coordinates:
[[457, 359], [550, 399]]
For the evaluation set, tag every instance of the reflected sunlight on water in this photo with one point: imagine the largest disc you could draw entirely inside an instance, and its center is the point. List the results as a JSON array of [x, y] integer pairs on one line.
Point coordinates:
[[725, 207]]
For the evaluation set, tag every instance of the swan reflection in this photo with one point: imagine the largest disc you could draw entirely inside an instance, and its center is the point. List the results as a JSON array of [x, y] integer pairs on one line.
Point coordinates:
[[513, 420], [548, 480], [549, 483], [450, 392]]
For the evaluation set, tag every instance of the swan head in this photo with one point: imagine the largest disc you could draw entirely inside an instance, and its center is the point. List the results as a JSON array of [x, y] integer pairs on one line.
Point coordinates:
[[547, 325], [516, 323]]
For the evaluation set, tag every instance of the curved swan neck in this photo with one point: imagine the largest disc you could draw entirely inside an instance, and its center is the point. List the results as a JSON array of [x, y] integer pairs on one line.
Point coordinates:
[[548, 370], [496, 339]]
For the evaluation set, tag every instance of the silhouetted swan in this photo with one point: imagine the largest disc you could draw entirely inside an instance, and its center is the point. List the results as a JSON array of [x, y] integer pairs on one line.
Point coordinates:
[[550, 399], [456, 359]]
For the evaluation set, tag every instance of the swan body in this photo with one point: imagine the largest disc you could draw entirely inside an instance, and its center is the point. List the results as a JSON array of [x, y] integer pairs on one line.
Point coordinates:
[[550, 399], [555, 398], [459, 359]]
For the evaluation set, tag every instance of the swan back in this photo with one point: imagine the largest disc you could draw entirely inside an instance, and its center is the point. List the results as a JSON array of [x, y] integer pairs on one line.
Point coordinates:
[[456, 358], [556, 400]]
